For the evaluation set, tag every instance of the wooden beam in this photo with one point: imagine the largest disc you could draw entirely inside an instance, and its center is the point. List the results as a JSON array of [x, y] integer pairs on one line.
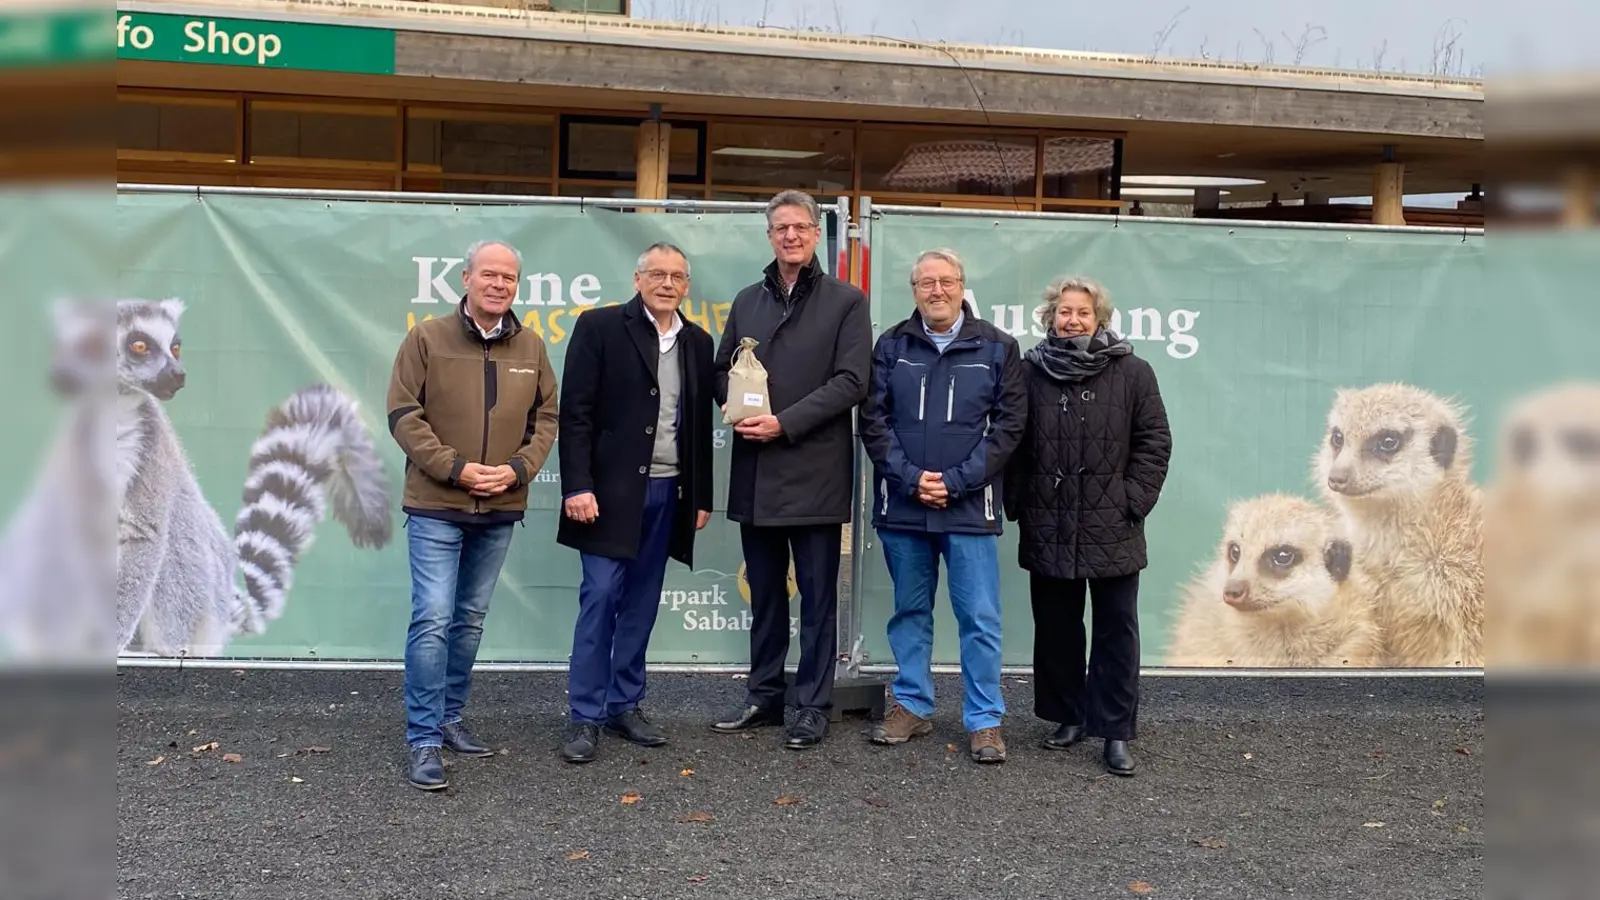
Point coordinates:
[[654, 145], [1579, 211], [1388, 194]]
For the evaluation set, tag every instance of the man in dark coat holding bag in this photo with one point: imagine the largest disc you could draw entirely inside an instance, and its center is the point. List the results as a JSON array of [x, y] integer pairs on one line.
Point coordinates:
[[790, 485], [635, 449]]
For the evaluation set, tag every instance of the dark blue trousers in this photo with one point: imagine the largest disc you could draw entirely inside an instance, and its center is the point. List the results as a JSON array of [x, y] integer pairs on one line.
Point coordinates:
[[617, 605]]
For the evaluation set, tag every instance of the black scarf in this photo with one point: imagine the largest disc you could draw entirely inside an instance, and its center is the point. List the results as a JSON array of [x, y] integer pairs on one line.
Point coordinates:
[[1077, 358]]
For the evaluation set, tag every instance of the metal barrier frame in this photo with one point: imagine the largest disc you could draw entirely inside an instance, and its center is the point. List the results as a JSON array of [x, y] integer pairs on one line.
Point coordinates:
[[870, 214], [849, 635]]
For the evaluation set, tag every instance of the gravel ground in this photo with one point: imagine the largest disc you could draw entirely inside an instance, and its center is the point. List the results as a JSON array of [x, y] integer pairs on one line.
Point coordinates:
[[1247, 788]]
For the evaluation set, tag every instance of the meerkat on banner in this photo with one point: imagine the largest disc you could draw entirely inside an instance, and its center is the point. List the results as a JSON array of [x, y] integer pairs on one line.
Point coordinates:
[[1542, 533], [1279, 594], [1396, 463]]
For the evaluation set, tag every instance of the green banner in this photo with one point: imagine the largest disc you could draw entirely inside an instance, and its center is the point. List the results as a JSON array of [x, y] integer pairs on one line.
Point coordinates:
[[160, 37], [1253, 333], [278, 295]]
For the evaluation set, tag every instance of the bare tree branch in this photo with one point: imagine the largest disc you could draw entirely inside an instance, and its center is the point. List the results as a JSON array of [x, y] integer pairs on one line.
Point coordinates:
[[1306, 41], [1165, 34], [1266, 46]]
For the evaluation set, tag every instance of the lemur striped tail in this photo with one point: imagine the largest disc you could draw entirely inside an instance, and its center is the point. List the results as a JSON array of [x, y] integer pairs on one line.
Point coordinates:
[[313, 454]]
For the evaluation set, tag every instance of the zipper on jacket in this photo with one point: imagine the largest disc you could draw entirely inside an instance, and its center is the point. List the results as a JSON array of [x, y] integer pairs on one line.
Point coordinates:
[[950, 402], [483, 456], [922, 400]]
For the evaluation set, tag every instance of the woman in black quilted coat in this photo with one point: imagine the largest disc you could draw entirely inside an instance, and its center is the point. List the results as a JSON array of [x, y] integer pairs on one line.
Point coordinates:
[[1088, 473]]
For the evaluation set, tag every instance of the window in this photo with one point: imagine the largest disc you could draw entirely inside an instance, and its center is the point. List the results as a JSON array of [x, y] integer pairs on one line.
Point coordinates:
[[598, 147], [782, 156], [931, 162], [192, 129], [469, 142], [1080, 168], [341, 135]]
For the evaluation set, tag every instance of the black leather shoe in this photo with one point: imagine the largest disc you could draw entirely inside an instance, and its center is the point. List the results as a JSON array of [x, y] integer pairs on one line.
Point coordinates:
[[633, 726], [1118, 760], [1064, 737], [749, 717], [427, 769], [809, 728], [461, 741], [583, 738]]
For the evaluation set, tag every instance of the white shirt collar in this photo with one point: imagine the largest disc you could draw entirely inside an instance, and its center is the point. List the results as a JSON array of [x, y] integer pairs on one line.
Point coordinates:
[[670, 337]]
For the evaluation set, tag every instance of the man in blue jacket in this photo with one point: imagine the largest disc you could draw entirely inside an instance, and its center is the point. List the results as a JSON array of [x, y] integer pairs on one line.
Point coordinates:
[[947, 407]]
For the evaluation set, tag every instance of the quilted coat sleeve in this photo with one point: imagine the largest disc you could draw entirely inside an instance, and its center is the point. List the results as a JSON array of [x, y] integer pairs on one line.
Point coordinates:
[[1149, 446]]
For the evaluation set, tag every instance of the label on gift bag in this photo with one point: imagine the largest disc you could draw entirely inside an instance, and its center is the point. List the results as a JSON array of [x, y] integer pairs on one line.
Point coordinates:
[[754, 399]]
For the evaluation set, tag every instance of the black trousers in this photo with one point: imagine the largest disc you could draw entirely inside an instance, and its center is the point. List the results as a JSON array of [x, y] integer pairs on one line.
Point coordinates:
[[1106, 702], [816, 570]]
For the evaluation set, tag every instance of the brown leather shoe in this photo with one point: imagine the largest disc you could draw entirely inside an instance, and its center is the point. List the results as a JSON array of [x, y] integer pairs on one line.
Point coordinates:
[[988, 746], [899, 725]]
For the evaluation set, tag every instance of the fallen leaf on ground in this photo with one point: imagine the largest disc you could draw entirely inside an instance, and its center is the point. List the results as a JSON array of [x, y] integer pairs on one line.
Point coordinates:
[[949, 748], [787, 800], [630, 798], [686, 773], [319, 749], [1462, 829], [699, 879], [1463, 751], [698, 817], [1249, 756], [204, 747], [157, 761], [578, 854], [285, 755], [874, 801], [232, 758], [1377, 754], [297, 780], [1212, 843], [1438, 804], [1140, 887], [193, 733], [1372, 825]]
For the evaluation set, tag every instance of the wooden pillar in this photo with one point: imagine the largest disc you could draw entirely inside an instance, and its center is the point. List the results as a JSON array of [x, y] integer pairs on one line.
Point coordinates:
[[654, 145], [1388, 194], [1579, 204]]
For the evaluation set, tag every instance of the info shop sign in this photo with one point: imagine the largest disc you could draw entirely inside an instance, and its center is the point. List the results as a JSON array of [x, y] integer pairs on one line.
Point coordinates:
[[160, 37]]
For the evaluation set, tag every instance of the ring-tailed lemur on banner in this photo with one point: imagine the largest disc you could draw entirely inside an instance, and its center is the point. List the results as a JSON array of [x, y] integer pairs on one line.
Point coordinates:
[[58, 562], [176, 586]]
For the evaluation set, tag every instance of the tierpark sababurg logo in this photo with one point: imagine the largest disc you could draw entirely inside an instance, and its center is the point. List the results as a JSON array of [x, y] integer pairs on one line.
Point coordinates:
[[709, 608]]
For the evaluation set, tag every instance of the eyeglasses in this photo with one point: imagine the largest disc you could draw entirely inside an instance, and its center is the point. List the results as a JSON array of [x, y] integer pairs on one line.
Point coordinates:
[[928, 284], [657, 276], [797, 228]]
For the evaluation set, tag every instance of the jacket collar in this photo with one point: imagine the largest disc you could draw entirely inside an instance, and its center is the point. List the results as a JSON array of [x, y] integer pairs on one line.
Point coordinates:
[[971, 325], [509, 324], [809, 274]]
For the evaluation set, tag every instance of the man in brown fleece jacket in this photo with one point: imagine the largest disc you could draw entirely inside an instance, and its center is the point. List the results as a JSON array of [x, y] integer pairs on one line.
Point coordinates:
[[472, 402]]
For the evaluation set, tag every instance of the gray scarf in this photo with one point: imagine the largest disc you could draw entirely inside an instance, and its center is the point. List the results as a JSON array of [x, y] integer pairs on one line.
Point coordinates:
[[1077, 358]]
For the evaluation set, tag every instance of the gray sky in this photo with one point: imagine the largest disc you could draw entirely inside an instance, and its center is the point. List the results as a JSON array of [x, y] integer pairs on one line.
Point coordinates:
[[1456, 37]]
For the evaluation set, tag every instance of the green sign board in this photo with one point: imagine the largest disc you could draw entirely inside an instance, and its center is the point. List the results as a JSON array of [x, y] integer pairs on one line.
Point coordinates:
[[52, 37], [254, 43]]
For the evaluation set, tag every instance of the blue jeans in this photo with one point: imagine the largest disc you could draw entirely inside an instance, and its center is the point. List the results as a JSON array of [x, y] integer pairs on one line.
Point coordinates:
[[973, 561], [453, 573], [617, 604]]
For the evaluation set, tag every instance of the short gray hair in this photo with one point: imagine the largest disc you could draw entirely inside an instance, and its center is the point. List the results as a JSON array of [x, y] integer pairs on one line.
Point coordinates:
[[662, 247], [1098, 295], [795, 198], [947, 255], [475, 249]]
